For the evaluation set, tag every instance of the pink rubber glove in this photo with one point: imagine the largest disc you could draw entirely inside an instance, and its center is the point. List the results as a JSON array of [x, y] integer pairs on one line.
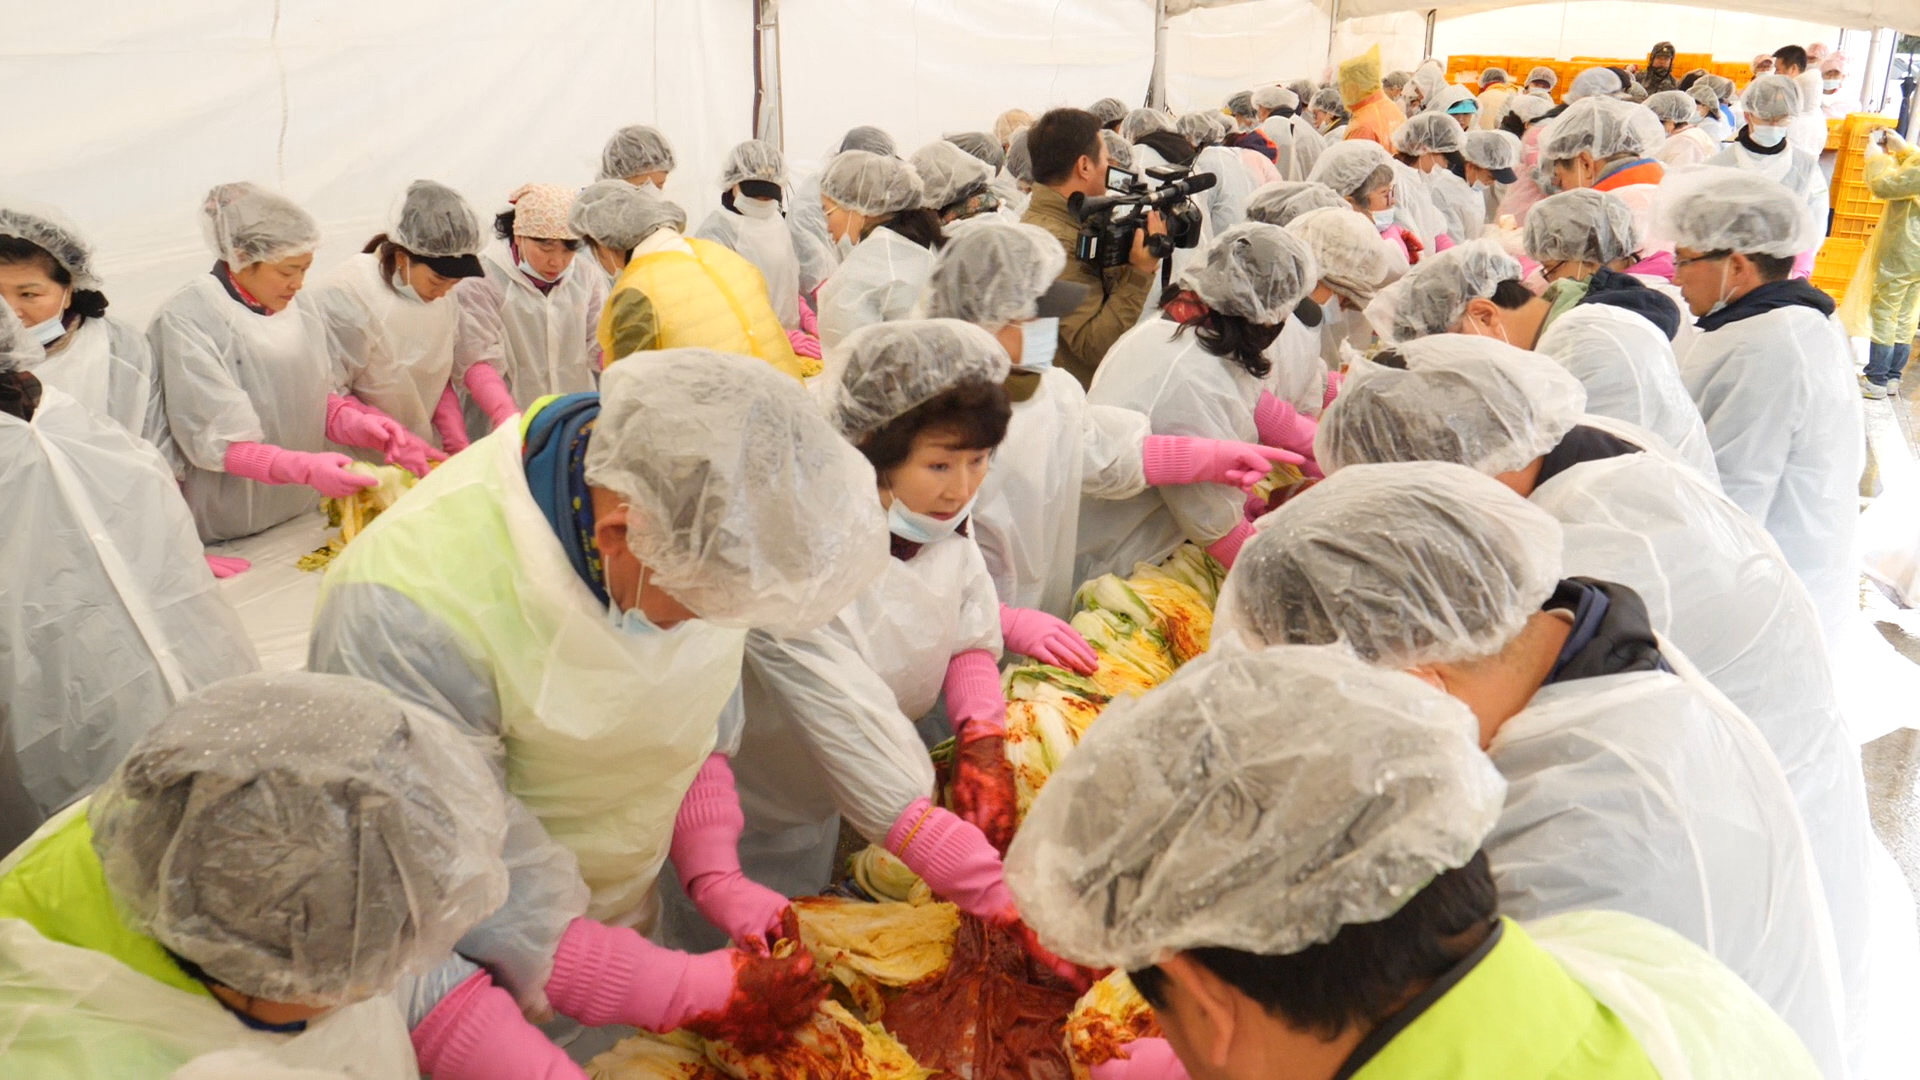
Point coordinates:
[[1178, 459], [1141, 1059], [1335, 379], [490, 392], [477, 1033], [224, 567], [1227, 548], [1045, 638], [706, 854], [610, 975], [450, 422], [1281, 425], [955, 861], [1802, 266], [809, 322], [351, 422], [983, 787], [804, 344], [267, 464], [1443, 242]]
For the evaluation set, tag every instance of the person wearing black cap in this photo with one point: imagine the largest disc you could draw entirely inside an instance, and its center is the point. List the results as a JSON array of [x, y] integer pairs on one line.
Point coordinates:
[[1659, 73]]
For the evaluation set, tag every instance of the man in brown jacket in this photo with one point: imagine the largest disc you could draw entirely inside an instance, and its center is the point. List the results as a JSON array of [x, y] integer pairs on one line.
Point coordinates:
[[1068, 157]]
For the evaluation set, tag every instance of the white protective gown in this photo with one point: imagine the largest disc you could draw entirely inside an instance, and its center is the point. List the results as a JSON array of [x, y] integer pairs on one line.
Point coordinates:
[[230, 375], [1058, 448], [1227, 199], [1627, 366], [1183, 390], [106, 365], [1807, 131], [540, 343], [760, 235], [1798, 171], [812, 240], [1716, 585], [830, 714], [1299, 375], [390, 351], [1649, 793], [108, 613], [1464, 209], [880, 281], [1687, 146], [1779, 402]]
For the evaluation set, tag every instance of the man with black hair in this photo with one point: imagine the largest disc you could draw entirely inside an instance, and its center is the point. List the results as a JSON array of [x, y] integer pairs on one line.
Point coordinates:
[[1070, 159], [1789, 60]]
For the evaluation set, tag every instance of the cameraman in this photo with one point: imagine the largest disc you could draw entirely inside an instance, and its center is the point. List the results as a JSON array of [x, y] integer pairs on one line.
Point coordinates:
[[1068, 157]]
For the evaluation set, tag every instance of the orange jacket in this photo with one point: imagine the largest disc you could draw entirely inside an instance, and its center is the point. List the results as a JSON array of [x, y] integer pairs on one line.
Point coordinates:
[[1377, 119]]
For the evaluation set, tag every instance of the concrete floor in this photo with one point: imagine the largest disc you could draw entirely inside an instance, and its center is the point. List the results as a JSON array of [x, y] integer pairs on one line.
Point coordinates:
[[1892, 762]]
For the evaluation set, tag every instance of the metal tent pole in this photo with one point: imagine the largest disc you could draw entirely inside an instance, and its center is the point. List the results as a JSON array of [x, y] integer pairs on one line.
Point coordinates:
[[768, 122], [1157, 83]]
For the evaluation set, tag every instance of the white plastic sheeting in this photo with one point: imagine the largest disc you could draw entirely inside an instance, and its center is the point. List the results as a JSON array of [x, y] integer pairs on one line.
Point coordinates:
[[1900, 14], [1606, 28]]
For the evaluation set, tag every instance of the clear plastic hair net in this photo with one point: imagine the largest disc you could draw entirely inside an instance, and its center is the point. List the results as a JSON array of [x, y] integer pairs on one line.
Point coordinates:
[[1771, 97], [1454, 577], [304, 838], [980, 145], [1436, 292], [1119, 151], [50, 231], [1282, 201], [1494, 150], [747, 505], [1329, 101], [1347, 250], [1428, 80], [1254, 270], [889, 369], [1345, 166], [1429, 133], [1275, 97], [1584, 225], [1108, 110], [434, 221], [1143, 122], [1201, 129], [246, 224], [1527, 107], [1304, 89], [1722, 85], [1468, 400], [1593, 82], [1493, 75], [1242, 107], [18, 349], [618, 215], [1259, 801], [1009, 122], [1733, 210], [1019, 160], [948, 174], [872, 140], [872, 184], [634, 150], [1603, 127], [1395, 80], [992, 273], [1543, 75], [1704, 93], [754, 159], [1674, 106], [1451, 97]]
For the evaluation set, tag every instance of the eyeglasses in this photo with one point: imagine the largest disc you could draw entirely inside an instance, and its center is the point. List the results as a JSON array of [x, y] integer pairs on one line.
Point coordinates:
[[1682, 263]]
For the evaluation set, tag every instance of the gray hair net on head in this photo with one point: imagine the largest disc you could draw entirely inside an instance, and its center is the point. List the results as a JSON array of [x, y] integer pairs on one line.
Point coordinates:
[[1283, 201], [992, 273], [434, 221], [1143, 122], [1275, 97], [754, 159], [1544, 74], [1493, 74], [1329, 101], [634, 150], [1020, 161], [1304, 89], [1108, 110], [1201, 129], [1584, 225], [1242, 107], [304, 838], [618, 215], [1258, 800], [1453, 94], [1346, 166], [1435, 293], [1733, 210], [747, 505], [1703, 93], [50, 231], [1721, 85], [872, 184], [1119, 150], [869, 138], [1493, 150], [1429, 133], [246, 224], [18, 349], [1348, 251], [1254, 270], [1603, 127], [1473, 401], [980, 145], [1427, 81], [1673, 106], [1771, 96], [1527, 107], [893, 368], [1453, 579], [948, 174], [1593, 82], [1394, 80]]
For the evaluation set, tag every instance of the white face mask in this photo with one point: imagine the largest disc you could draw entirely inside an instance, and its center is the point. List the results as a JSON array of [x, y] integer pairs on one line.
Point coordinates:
[[1039, 340], [1725, 269], [1383, 219], [1831, 86], [1768, 135], [405, 288], [527, 269], [757, 209], [923, 528], [46, 333], [633, 622]]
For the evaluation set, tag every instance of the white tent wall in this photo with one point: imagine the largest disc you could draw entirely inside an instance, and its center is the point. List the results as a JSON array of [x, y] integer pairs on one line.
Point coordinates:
[[1591, 28], [1214, 52], [136, 110]]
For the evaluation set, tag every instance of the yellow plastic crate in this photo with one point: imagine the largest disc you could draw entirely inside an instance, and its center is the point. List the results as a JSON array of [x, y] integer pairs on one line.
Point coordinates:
[[1836, 137], [1848, 227], [1834, 266], [1857, 202]]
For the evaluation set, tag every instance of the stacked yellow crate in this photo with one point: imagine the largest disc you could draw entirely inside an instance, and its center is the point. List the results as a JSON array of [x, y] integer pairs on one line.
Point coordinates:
[[1856, 213]]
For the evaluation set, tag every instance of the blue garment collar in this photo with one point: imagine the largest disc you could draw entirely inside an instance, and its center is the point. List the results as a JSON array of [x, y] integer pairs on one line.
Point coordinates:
[[554, 454]]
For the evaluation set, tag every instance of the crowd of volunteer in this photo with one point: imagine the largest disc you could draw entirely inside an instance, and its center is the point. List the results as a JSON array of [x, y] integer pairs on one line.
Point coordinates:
[[1521, 749]]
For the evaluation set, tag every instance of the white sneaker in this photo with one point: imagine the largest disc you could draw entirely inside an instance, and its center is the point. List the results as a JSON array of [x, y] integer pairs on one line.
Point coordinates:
[[1873, 392]]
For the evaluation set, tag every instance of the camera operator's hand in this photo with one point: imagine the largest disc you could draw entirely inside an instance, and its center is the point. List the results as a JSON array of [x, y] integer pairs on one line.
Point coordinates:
[[1142, 259]]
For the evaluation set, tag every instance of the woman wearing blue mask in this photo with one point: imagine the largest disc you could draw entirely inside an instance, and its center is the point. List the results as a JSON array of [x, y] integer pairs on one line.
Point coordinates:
[[887, 236], [1762, 148]]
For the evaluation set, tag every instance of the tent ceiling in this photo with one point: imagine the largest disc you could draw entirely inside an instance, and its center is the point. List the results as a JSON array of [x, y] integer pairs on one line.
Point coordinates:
[[1856, 14]]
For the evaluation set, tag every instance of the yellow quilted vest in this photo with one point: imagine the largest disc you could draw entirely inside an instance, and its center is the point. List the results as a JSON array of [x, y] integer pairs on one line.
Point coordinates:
[[711, 299]]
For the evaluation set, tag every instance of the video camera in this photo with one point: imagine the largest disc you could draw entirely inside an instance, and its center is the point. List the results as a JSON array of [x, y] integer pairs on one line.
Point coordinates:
[[1108, 222]]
